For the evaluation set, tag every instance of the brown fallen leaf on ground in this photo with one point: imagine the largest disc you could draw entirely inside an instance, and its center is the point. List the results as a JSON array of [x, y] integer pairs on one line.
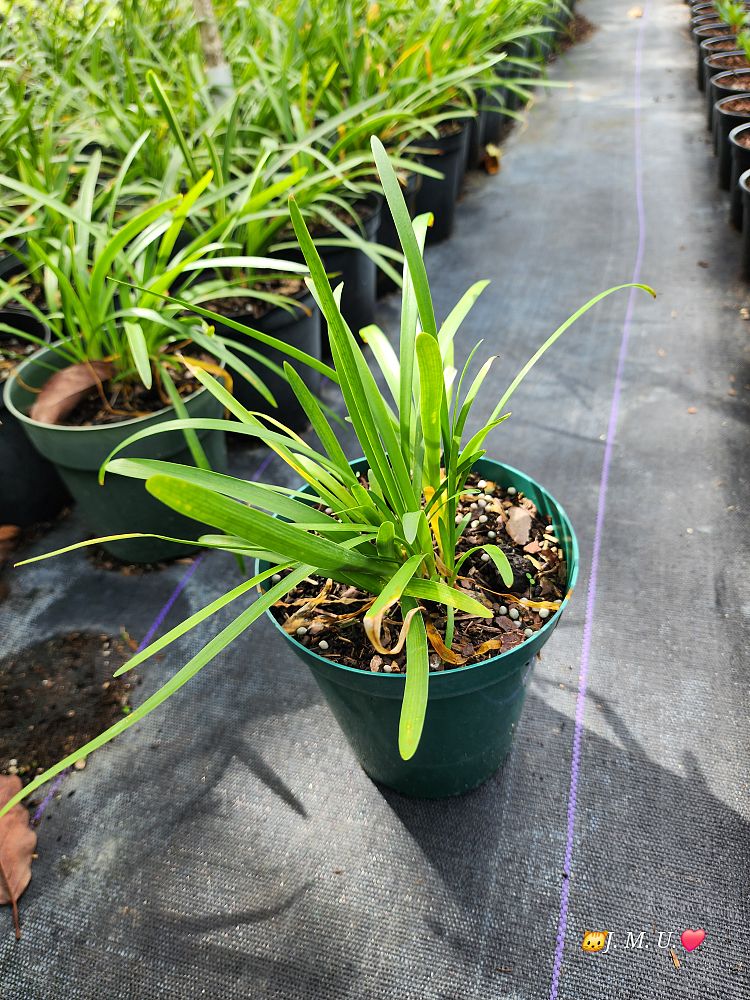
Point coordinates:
[[491, 158], [519, 524], [17, 843], [66, 388], [692, 409]]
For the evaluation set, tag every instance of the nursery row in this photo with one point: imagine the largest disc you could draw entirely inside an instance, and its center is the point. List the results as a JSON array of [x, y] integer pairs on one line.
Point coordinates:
[[721, 31], [145, 175]]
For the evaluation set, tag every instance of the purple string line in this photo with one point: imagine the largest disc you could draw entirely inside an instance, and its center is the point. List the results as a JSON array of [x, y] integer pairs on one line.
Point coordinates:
[[575, 765], [155, 625]]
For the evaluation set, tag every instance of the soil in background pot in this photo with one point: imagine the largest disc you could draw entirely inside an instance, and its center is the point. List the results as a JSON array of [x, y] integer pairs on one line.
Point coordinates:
[[300, 329]]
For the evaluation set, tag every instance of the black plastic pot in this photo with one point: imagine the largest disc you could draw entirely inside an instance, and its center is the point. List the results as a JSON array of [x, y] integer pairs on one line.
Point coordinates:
[[476, 137], [352, 267], [30, 488], [718, 62], [121, 504], [726, 117], [744, 185], [300, 329], [494, 118], [387, 235], [740, 157], [727, 84], [708, 47], [713, 30], [448, 155]]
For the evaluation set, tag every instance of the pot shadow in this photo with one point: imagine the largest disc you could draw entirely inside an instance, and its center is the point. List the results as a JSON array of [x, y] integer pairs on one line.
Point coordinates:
[[491, 839]]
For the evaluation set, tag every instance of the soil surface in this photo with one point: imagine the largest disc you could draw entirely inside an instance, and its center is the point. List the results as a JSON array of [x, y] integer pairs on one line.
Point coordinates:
[[239, 306], [329, 612], [58, 694], [729, 62], [114, 401], [722, 46], [740, 105], [738, 81]]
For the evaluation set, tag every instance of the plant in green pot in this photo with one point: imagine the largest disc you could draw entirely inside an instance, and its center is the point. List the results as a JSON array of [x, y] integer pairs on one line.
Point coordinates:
[[115, 361], [418, 582]]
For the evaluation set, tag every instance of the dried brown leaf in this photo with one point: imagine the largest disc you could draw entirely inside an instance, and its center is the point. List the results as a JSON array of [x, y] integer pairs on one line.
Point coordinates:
[[62, 393], [518, 525], [17, 843], [491, 159]]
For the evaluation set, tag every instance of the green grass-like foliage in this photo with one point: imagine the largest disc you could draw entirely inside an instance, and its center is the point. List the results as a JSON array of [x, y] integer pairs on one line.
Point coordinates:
[[396, 540]]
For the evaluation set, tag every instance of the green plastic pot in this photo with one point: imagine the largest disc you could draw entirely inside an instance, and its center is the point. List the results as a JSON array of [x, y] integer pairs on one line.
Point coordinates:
[[472, 712], [121, 504]]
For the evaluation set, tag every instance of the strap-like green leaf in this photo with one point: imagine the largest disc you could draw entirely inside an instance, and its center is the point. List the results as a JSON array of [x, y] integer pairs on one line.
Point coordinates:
[[414, 705]]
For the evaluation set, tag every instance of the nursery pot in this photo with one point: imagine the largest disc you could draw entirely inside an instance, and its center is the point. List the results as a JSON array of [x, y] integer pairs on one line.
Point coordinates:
[[729, 112], [717, 62], [121, 504], [714, 29], [709, 47], [387, 236], [494, 119], [472, 712], [448, 155], [476, 138], [352, 267], [727, 84], [299, 328], [744, 184], [30, 488], [740, 155]]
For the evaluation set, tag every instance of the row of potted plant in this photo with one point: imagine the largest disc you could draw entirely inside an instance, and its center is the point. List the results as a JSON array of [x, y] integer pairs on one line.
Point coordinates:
[[126, 176], [721, 30]]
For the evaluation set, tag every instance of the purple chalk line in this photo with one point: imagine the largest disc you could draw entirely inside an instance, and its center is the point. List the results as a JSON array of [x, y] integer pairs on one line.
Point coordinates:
[[575, 765], [154, 627]]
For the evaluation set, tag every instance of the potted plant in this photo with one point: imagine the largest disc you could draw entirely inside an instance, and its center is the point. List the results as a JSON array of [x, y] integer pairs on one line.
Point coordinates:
[[419, 621], [114, 361]]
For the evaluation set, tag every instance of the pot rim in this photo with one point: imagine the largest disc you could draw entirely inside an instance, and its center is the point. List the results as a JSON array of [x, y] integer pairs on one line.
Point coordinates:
[[718, 78], [739, 128], [744, 181], [443, 676], [737, 96], [724, 55], [64, 428], [705, 42]]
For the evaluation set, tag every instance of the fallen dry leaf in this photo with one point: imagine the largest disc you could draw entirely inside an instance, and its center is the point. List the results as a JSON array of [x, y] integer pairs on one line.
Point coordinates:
[[635, 12], [491, 159], [17, 843], [692, 409], [519, 524], [66, 388]]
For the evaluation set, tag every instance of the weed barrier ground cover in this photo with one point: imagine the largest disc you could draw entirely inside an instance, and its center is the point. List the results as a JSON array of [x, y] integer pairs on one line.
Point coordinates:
[[230, 847]]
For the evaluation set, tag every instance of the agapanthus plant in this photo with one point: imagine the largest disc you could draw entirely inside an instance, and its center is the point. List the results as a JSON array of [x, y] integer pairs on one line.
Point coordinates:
[[394, 537]]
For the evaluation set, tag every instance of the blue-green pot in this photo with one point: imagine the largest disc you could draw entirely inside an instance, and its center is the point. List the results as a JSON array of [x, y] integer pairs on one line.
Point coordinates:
[[472, 711], [121, 504]]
